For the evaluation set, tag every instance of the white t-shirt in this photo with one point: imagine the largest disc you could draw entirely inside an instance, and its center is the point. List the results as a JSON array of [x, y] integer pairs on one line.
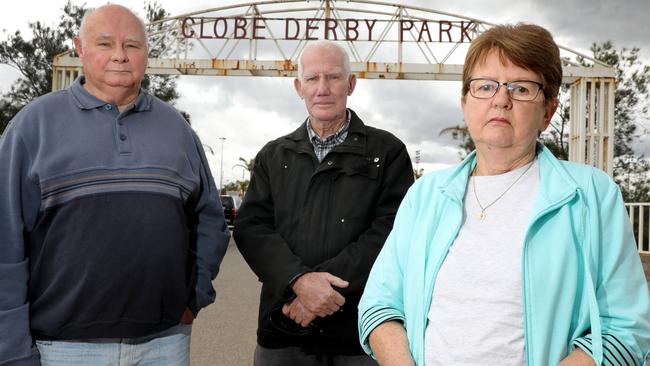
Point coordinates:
[[476, 314]]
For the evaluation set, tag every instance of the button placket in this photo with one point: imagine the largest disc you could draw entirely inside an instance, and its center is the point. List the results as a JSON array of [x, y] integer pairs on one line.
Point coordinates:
[[123, 138]]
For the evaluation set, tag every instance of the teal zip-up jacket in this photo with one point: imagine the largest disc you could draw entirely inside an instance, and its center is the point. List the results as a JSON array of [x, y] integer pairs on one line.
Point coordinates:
[[583, 283]]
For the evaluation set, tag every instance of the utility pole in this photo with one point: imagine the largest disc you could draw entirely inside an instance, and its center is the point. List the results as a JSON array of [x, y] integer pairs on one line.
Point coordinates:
[[221, 173]]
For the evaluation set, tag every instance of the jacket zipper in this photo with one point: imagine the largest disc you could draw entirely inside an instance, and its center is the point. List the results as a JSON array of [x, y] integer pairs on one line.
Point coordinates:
[[527, 325]]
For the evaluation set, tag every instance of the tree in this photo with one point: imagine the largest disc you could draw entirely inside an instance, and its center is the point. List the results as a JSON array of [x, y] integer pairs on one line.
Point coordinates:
[[632, 101], [242, 185], [162, 86], [238, 186], [460, 133], [246, 165], [33, 60], [556, 136]]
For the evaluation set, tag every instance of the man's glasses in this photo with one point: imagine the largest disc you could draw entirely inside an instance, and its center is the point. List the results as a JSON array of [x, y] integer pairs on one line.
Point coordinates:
[[523, 90]]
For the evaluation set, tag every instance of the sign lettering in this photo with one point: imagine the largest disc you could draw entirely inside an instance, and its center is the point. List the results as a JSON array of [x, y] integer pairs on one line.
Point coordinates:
[[332, 29]]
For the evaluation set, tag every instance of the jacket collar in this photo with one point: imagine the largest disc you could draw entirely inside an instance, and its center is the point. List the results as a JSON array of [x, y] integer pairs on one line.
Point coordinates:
[[456, 183], [556, 183], [355, 142], [84, 100]]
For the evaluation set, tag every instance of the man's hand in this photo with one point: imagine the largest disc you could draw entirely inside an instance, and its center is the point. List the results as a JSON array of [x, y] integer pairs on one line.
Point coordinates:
[[316, 292], [297, 312], [187, 317], [577, 358]]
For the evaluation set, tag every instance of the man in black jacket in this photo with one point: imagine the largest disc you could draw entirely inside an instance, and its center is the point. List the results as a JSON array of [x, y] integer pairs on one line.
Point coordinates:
[[319, 207]]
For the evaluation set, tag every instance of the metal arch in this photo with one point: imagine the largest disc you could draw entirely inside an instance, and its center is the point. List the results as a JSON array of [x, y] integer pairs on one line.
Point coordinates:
[[385, 57], [413, 59]]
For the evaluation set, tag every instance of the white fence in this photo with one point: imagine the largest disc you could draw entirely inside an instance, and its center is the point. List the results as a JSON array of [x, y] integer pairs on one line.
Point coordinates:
[[640, 218]]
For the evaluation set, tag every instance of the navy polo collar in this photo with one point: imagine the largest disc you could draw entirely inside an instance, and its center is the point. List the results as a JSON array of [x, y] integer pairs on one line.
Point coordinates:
[[85, 100]]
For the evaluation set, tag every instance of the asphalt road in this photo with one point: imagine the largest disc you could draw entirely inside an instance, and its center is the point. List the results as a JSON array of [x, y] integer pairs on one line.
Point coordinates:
[[224, 332]]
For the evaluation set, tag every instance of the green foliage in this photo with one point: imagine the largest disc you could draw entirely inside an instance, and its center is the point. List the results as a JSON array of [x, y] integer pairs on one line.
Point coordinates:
[[242, 185], [32, 58], [632, 100], [162, 86], [556, 136], [246, 164], [239, 186], [632, 95], [631, 174]]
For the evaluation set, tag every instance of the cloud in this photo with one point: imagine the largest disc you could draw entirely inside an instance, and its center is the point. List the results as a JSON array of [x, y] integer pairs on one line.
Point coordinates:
[[218, 109], [416, 111], [598, 21], [250, 111], [417, 119]]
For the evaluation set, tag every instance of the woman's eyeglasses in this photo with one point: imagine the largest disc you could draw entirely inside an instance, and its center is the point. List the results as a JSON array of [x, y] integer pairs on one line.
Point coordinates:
[[523, 90]]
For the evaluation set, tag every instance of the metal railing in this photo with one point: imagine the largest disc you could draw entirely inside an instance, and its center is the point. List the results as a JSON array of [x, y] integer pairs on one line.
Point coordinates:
[[640, 218]]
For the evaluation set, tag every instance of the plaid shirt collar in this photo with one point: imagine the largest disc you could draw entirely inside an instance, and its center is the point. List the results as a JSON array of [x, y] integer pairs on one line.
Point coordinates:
[[323, 147]]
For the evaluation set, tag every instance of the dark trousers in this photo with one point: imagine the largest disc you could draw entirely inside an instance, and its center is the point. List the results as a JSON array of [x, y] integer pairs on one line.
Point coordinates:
[[291, 356]]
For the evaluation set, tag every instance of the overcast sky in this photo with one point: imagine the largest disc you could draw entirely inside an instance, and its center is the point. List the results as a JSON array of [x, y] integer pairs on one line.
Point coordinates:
[[249, 111]]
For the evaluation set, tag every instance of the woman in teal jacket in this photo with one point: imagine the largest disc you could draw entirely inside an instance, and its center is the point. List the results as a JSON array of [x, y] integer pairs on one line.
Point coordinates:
[[572, 272]]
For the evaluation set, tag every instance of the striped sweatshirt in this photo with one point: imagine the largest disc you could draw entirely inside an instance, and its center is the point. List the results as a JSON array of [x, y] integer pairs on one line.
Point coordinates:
[[110, 222]]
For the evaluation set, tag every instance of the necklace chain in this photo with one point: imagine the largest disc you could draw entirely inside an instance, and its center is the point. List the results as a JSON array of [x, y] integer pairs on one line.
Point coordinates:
[[482, 214]]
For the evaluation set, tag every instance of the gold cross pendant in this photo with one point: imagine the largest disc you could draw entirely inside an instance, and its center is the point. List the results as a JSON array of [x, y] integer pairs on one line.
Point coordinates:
[[481, 215]]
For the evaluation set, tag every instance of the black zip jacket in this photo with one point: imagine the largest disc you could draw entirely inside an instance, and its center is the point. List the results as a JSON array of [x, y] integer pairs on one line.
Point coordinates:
[[300, 216]]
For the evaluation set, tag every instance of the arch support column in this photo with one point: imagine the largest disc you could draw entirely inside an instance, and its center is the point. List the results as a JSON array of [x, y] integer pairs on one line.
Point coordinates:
[[591, 139], [65, 70], [63, 77]]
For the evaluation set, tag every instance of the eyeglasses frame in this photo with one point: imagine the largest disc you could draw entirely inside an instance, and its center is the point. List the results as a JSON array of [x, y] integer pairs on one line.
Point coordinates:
[[507, 85]]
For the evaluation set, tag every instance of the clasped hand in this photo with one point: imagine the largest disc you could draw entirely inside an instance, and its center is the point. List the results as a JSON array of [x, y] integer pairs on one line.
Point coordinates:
[[315, 297]]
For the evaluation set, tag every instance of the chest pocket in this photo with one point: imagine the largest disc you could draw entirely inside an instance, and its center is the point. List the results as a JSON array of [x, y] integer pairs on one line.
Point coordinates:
[[365, 167]]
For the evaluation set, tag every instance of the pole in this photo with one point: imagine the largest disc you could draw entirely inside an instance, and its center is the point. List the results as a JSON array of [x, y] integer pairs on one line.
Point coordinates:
[[221, 172]]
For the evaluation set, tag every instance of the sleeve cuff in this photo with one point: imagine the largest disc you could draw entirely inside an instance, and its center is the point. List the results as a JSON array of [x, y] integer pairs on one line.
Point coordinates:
[[371, 319], [615, 352]]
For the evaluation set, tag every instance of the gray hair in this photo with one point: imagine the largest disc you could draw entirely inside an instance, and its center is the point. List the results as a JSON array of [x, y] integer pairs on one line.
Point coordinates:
[[323, 43], [90, 11]]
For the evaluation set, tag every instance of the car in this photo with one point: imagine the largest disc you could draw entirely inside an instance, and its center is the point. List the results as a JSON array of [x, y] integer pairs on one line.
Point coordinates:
[[230, 206]]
